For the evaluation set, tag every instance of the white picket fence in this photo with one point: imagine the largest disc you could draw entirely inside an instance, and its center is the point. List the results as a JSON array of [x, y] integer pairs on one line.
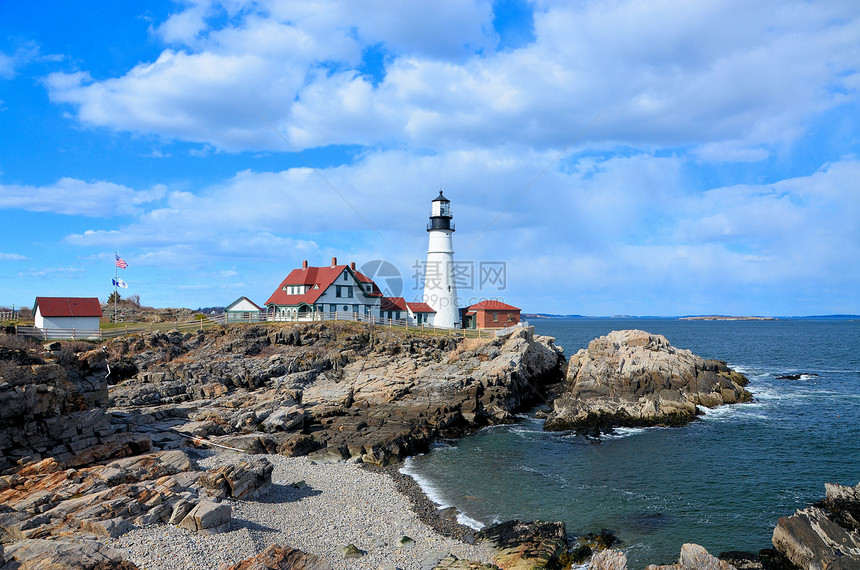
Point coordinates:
[[113, 332], [357, 317], [216, 320]]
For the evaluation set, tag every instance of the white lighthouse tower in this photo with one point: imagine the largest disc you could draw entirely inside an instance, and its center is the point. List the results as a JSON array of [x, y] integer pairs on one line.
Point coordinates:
[[439, 290]]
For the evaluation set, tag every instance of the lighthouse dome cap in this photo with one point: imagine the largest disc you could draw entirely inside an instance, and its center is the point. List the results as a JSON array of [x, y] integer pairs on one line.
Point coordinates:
[[441, 198]]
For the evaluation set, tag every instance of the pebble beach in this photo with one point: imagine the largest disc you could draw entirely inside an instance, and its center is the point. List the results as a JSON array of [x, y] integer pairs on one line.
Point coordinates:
[[316, 507]]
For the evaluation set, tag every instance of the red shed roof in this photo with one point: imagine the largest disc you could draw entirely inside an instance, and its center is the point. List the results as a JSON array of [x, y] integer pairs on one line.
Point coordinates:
[[323, 277], [68, 307], [492, 306], [420, 308]]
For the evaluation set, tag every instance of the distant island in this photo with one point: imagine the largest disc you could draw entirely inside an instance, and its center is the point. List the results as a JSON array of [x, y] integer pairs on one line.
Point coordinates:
[[725, 318]]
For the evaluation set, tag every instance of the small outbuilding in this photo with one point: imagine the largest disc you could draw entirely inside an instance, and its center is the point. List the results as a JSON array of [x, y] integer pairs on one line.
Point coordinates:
[[490, 315], [243, 310], [67, 317]]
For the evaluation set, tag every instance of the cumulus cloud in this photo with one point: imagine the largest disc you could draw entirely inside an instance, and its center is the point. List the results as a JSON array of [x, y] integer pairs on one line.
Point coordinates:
[[622, 232], [74, 197], [731, 76]]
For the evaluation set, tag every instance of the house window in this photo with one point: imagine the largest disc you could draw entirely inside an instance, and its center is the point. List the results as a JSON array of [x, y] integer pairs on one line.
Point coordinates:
[[510, 317], [345, 276], [345, 308], [343, 291], [495, 317], [332, 308]]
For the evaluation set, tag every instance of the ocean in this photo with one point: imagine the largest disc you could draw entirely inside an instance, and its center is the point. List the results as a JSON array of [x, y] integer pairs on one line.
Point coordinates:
[[721, 481]]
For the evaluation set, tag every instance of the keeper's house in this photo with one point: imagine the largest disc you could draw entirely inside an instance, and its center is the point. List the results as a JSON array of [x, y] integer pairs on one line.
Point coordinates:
[[490, 315], [316, 293], [67, 317]]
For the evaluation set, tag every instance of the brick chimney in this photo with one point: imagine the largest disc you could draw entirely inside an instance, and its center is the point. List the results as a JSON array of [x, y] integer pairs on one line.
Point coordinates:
[[305, 264], [352, 265], [333, 261]]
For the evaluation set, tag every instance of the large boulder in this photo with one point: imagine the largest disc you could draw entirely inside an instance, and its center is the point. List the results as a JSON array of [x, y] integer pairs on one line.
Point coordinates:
[[245, 480], [208, 518], [608, 559], [634, 378], [694, 557]]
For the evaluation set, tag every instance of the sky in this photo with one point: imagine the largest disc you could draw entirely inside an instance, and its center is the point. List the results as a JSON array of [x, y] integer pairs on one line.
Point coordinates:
[[601, 157]]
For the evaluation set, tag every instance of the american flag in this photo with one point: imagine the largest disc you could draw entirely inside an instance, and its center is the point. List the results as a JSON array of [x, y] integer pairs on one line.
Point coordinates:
[[120, 262]]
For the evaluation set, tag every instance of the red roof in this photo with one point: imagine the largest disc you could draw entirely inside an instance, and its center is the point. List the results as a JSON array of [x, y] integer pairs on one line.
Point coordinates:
[[492, 306], [68, 307], [321, 276], [393, 304], [420, 308]]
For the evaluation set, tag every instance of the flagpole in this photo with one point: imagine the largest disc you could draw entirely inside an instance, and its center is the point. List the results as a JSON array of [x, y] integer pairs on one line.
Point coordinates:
[[115, 277]]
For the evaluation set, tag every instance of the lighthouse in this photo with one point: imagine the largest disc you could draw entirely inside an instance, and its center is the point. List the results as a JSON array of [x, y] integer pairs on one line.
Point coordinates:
[[439, 290]]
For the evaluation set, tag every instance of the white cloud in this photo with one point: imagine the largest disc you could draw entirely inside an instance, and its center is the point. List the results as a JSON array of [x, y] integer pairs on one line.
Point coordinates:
[[12, 256], [732, 76], [23, 55], [622, 232], [74, 197]]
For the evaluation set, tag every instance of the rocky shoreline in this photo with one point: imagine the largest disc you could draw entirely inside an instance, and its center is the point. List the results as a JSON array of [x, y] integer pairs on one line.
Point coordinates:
[[112, 449]]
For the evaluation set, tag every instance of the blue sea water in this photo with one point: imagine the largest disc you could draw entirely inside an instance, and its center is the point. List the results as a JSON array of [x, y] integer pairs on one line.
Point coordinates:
[[722, 481]]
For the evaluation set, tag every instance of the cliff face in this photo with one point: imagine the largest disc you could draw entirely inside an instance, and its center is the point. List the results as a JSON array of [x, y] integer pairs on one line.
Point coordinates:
[[52, 403], [634, 378]]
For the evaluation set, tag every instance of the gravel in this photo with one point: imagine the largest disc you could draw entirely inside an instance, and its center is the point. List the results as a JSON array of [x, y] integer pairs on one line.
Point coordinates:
[[319, 508]]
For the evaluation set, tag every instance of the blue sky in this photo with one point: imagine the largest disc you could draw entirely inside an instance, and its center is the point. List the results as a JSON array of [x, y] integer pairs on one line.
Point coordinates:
[[620, 157]]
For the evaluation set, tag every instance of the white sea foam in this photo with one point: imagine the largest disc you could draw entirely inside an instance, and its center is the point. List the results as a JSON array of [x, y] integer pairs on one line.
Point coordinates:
[[433, 493], [718, 412], [622, 432], [470, 522]]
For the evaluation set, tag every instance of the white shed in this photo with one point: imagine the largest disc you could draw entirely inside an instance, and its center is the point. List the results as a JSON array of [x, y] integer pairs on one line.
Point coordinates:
[[67, 317], [244, 310]]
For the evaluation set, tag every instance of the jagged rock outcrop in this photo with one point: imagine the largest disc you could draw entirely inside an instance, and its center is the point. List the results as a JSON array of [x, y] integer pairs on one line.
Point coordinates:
[[824, 537], [634, 378], [49, 500], [41, 554], [52, 402], [523, 546], [277, 557], [337, 390]]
